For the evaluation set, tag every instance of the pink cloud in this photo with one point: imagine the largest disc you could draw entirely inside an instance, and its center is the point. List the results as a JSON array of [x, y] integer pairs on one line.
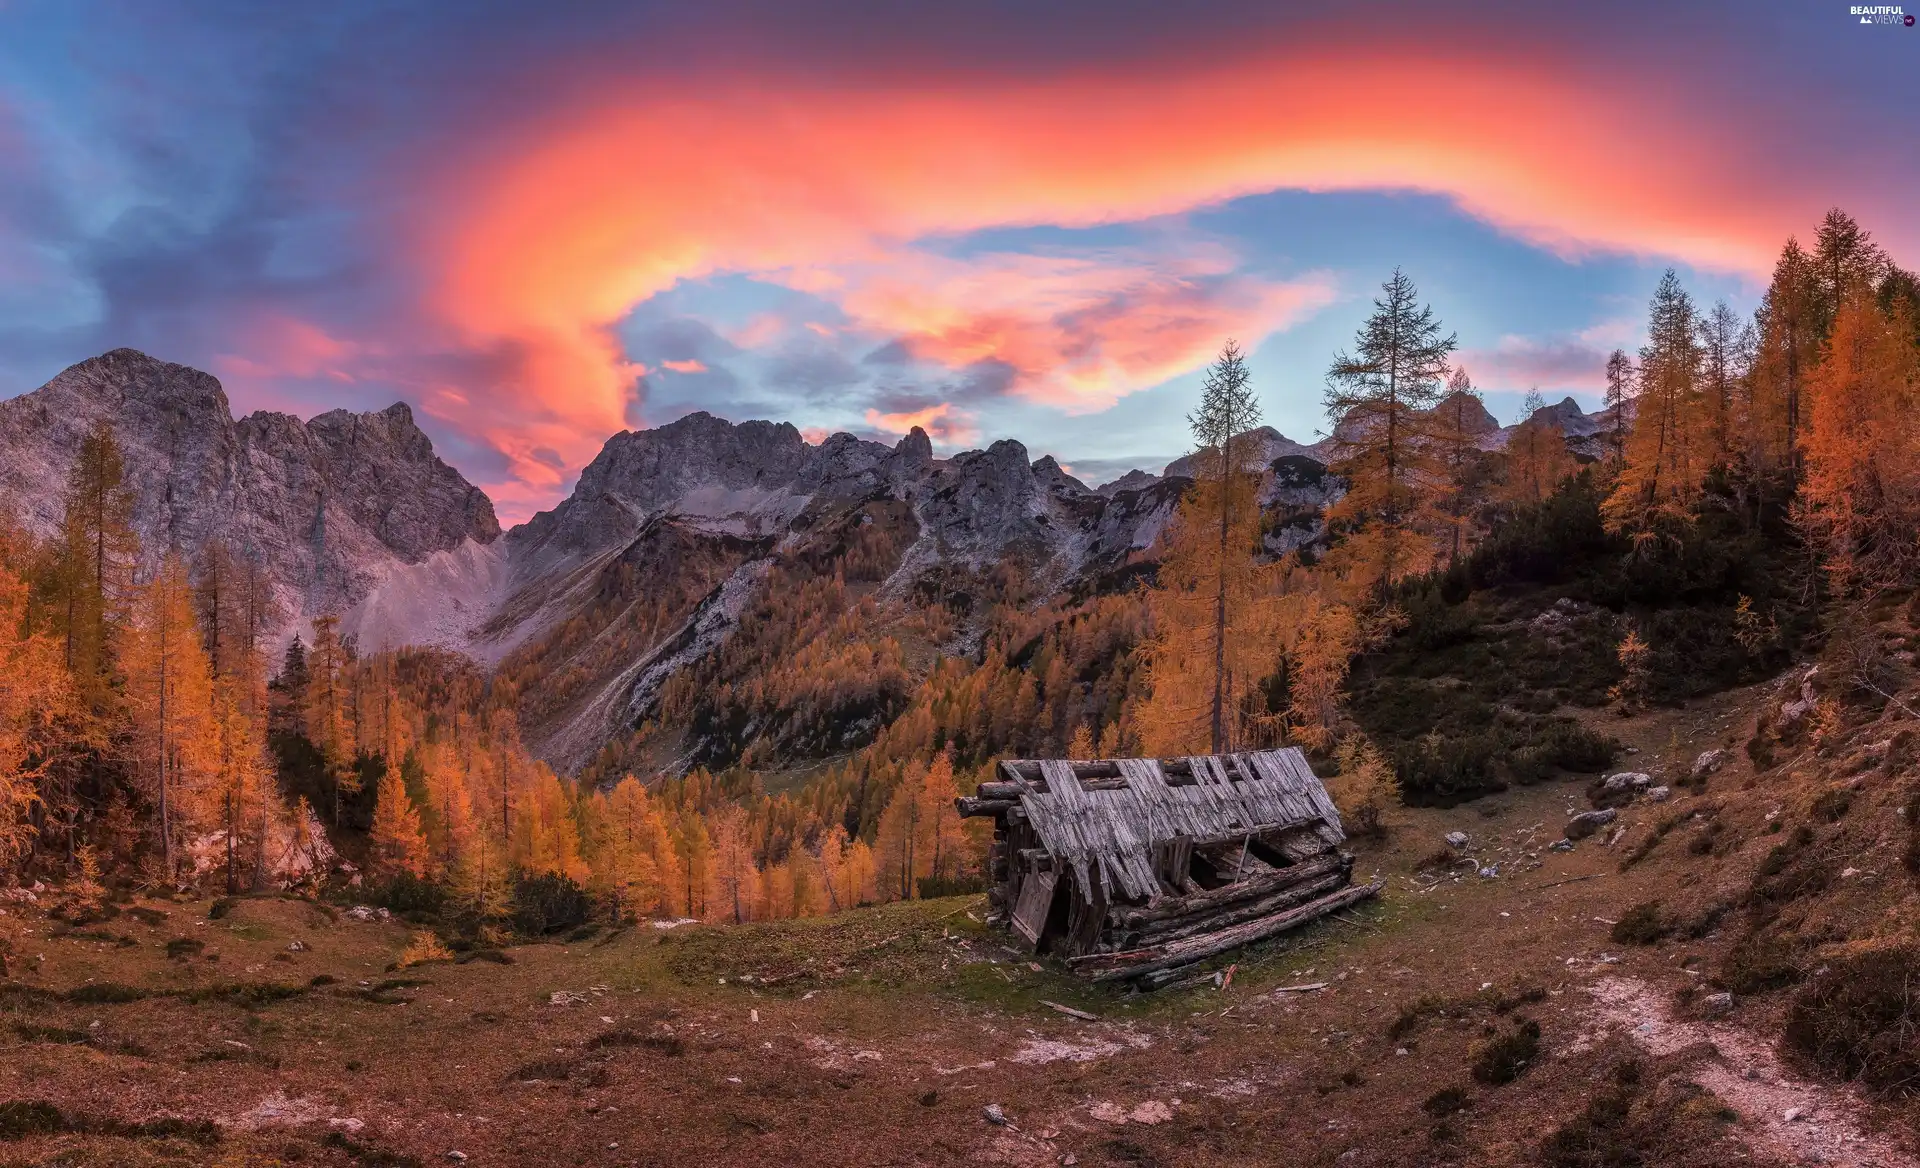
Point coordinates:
[[688, 366], [943, 424]]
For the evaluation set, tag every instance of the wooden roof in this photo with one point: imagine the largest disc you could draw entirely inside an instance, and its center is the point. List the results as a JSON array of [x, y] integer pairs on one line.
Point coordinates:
[[1107, 829]]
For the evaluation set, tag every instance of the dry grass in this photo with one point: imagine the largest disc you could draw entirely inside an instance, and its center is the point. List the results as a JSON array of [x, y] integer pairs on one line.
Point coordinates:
[[873, 1027]]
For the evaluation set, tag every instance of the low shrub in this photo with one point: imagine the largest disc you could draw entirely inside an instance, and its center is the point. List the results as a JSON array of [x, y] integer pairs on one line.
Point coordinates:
[[1758, 963], [1861, 1020], [181, 948], [104, 993], [1505, 1056], [1446, 1101], [548, 903], [1643, 924]]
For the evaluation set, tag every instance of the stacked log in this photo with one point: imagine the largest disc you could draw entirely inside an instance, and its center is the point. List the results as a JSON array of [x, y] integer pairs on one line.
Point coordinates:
[[1155, 959]]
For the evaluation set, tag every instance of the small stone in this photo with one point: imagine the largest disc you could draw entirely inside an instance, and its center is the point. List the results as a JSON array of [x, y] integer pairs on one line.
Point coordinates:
[[1457, 839], [995, 1114], [1659, 794], [1587, 822], [1627, 781], [1708, 762], [296, 946], [1560, 845], [457, 1157], [1490, 871], [1717, 1005], [1795, 1114]]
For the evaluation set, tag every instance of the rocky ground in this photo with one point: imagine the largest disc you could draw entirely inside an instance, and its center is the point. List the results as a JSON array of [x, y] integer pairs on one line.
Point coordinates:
[[1480, 1014]]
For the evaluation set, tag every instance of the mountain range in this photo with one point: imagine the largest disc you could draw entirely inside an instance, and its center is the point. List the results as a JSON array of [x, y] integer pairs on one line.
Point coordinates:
[[672, 530]]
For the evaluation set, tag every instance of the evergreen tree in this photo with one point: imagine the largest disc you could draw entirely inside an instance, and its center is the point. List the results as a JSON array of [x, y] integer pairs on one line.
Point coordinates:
[[1846, 263], [1378, 398], [323, 704]]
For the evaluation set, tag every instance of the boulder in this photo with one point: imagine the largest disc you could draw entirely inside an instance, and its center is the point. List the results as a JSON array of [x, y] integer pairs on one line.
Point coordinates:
[[1660, 794], [1586, 823], [1627, 781], [1457, 839]]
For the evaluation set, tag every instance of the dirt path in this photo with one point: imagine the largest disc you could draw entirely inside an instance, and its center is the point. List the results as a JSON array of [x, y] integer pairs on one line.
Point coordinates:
[[1786, 1116]]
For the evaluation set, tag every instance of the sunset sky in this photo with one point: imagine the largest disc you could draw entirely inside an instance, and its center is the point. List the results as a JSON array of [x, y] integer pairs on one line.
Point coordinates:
[[543, 223]]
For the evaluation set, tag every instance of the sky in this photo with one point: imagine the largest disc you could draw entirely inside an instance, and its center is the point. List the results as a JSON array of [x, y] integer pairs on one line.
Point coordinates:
[[540, 224]]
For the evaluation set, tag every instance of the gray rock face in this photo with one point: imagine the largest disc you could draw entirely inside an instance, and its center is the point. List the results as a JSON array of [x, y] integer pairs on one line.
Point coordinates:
[[329, 506]]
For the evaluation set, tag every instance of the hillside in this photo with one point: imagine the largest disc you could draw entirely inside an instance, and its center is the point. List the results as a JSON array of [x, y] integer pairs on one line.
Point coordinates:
[[881, 1036]]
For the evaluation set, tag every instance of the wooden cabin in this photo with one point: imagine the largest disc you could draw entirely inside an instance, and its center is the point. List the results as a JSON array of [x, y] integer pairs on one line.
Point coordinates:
[[1133, 868]]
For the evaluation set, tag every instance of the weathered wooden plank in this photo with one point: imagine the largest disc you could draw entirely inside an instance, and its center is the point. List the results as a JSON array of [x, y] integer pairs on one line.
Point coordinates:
[[1161, 932], [1135, 962], [1170, 907], [1036, 901]]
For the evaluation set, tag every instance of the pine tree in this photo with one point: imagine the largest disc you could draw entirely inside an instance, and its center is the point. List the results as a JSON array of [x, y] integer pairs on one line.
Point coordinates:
[[170, 695], [397, 842], [1379, 397]]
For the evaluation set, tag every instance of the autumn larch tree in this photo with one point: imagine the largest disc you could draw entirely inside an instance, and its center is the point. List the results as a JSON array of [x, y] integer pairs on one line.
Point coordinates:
[[324, 706], [1378, 398], [1459, 420], [1665, 448], [170, 696], [1860, 498], [36, 697], [397, 842], [1227, 410], [98, 551], [1726, 352], [1788, 348], [1537, 457], [1619, 395]]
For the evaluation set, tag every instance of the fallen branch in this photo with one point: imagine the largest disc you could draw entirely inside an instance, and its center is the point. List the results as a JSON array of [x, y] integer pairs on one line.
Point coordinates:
[[1301, 989], [1070, 1012], [1558, 883]]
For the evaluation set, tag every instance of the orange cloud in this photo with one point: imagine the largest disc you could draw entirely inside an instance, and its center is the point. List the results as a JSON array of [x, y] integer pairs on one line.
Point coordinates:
[[556, 227], [942, 423], [688, 366], [1078, 331]]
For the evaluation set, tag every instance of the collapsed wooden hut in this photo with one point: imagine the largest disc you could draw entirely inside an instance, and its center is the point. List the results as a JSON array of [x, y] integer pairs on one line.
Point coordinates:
[[1133, 868]]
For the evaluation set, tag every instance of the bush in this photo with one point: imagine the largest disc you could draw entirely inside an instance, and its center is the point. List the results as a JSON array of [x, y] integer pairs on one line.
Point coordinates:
[[407, 893], [548, 903], [1445, 1102], [1758, 963], [1643, 924], [1502, 1058], [1862, 1020]]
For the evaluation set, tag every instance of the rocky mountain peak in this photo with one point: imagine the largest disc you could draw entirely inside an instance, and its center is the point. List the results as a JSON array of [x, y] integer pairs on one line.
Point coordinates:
[[329, 506]]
